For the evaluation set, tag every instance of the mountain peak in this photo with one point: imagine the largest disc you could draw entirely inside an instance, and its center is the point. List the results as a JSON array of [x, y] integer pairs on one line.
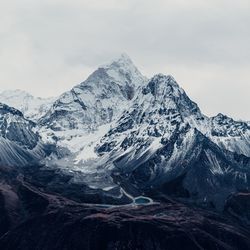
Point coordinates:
[[220, 115], [165, 79], [99, 99], [121, 60], [162, 85], [123, 67], [124, 57], [121, 71]]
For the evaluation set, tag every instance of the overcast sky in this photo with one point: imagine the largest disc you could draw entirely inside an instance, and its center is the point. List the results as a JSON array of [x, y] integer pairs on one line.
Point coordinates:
[[48, 46]]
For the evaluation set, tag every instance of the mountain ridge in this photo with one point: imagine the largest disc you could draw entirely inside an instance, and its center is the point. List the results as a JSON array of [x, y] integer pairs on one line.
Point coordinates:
[[32, 107], [122, 161], [148, 131]]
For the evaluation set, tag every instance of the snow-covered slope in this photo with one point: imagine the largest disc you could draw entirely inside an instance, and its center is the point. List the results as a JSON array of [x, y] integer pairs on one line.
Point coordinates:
[[20, 145], [32, 107]]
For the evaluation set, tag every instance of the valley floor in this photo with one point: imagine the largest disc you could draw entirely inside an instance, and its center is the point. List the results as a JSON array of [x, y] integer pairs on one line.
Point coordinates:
[[34, 219]]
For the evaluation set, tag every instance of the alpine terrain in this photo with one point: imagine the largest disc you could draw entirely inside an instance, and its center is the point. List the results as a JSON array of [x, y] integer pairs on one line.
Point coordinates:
[[32, 107], [121, 162]]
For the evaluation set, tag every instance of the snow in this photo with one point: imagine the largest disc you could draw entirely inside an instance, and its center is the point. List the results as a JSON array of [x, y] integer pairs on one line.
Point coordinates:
[[90, 109], [123, 66], [88, 150], [32, 107]]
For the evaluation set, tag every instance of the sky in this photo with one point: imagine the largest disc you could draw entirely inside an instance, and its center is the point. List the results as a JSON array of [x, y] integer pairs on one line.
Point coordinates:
[[48, 46]]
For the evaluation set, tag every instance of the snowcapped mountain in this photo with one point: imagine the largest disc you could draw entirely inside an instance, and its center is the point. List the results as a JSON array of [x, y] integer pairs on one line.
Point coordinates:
[[20, 145], [158, 111], [32, 107], [159, 141], [168, 106], [229, 134], [121, 139], [119, 127], [86, 111], [98, 100]]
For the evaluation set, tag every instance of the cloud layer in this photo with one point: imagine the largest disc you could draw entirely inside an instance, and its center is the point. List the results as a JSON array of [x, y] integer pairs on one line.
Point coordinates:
[[46, 47]]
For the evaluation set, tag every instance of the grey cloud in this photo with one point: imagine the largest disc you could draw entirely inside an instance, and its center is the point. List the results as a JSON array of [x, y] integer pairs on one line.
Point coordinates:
[[48, 46]]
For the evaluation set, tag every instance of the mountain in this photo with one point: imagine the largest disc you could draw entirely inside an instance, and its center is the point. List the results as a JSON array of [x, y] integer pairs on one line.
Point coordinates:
[[20, 145], [124, 162], [158, 144], [98, 100], [230, 134], [32, 107], [88, 108], [153, 139]]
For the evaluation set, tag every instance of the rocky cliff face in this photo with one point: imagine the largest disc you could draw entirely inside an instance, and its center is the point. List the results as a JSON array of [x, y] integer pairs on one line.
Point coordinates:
[[20, 144], [229, 134], [15, 127]]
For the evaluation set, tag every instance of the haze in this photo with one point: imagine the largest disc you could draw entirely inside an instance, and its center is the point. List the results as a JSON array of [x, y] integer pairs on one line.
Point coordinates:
[[46, 47]]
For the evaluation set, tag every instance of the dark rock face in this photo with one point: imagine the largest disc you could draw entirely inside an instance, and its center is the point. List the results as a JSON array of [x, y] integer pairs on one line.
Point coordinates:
[[225, 126], [14, 127], [238, 205], [20, 144], [5, 109], [4, 219]]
